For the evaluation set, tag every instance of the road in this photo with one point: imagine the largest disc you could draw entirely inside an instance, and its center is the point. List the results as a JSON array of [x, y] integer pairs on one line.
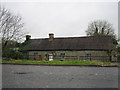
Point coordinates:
[[30, 76]]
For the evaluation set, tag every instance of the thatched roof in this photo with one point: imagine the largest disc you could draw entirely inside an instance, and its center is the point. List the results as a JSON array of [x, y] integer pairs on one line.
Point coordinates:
[[70, 43]]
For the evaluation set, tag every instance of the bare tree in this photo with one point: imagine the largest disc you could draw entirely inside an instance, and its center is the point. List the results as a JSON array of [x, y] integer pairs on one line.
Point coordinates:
[[99, 28], [11, 27]]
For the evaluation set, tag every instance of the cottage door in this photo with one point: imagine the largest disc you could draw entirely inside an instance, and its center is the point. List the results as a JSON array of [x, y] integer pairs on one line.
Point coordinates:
[[35, 55], [50, 57]]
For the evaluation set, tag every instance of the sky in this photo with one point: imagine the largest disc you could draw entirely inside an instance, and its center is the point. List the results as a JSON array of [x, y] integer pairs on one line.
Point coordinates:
[[65, 18]]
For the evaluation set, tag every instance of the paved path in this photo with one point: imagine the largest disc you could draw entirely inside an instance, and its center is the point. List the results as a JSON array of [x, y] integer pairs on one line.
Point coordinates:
[[21, 76]]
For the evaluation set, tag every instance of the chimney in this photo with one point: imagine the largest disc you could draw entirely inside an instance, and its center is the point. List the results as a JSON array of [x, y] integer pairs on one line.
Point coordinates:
[[28, 37], [51, 36]]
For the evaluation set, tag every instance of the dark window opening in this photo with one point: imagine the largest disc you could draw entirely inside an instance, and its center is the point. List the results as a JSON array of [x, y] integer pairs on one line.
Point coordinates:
[[88, 56], [62, 55]]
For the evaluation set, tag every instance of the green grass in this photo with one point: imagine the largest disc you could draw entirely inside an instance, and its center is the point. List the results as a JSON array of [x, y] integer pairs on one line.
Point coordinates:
[[75, 62]]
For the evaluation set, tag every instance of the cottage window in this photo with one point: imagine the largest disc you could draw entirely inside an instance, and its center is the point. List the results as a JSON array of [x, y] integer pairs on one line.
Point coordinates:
[[88, 56], [36, 53], [62, 55]]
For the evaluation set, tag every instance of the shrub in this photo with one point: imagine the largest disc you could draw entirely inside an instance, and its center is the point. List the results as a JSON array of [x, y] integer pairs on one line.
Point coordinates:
[[12, 54]]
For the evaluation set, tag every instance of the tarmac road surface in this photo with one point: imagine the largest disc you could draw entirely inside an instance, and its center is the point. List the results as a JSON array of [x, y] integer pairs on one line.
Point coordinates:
[[29, 76]]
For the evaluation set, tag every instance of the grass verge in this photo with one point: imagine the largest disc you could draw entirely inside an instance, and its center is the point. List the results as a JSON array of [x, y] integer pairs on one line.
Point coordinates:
[[75, 62]]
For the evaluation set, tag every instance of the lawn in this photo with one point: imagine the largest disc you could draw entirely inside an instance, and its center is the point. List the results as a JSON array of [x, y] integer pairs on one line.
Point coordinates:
[[70, 62]]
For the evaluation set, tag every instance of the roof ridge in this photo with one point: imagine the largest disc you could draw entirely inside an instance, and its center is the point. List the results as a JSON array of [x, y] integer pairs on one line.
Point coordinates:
[[68, 37]]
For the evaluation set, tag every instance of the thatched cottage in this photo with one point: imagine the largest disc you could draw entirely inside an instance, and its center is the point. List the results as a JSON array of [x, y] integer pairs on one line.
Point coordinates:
[[69, 48]]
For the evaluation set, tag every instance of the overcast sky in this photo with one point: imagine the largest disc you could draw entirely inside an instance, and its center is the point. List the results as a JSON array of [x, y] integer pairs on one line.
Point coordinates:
[[64, 19]]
